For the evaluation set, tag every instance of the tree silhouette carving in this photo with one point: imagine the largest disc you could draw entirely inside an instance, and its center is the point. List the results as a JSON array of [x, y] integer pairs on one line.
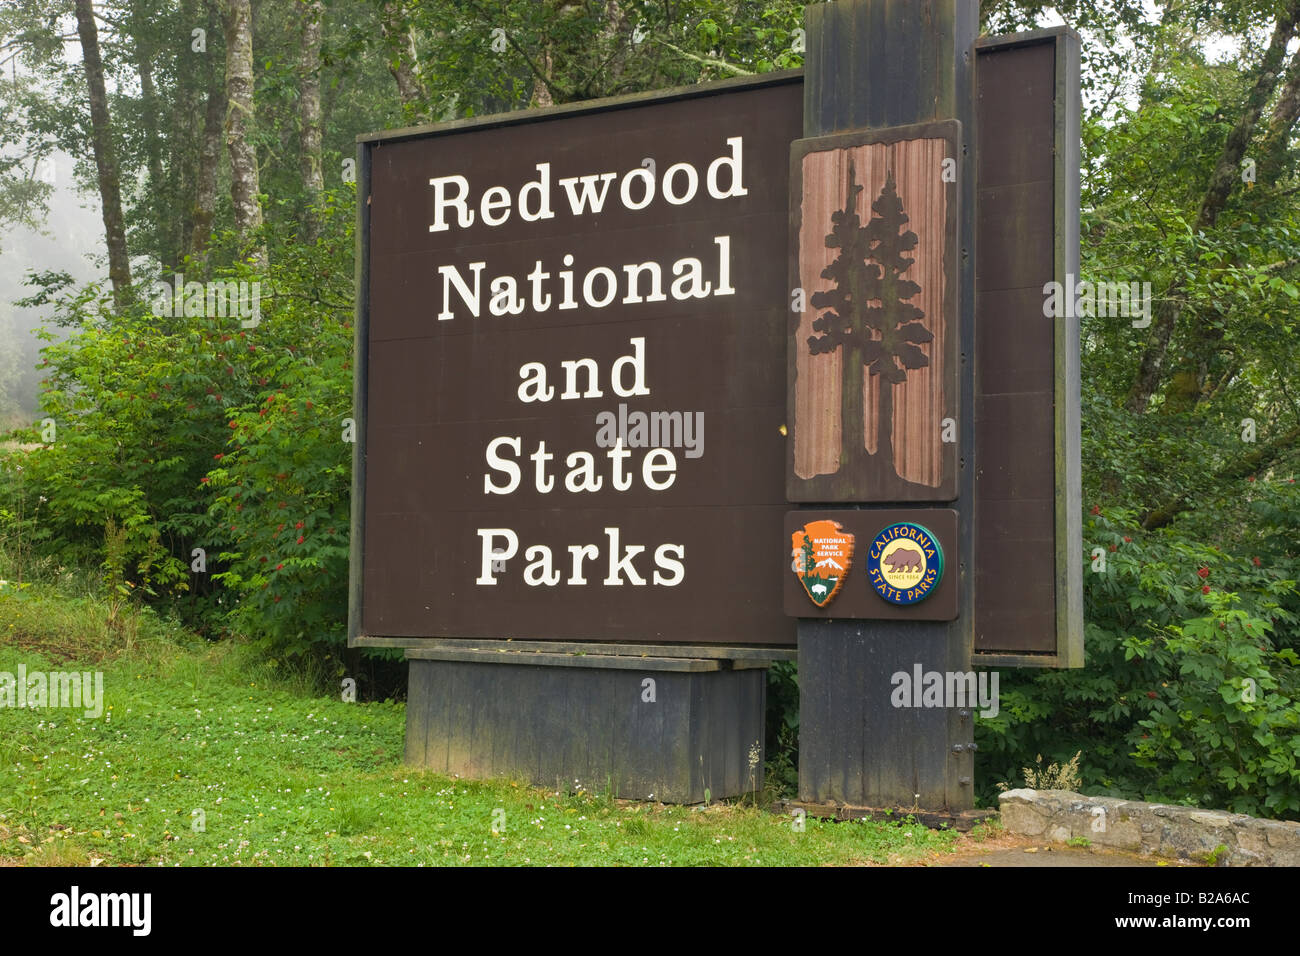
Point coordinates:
[[883, 338]]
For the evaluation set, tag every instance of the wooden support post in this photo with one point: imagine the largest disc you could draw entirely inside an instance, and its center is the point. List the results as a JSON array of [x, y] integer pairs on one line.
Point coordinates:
[[874, 65]]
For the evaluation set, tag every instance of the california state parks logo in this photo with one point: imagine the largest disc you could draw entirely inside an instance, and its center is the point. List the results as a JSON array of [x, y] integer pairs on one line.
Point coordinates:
[[905, 563], [822, 552]]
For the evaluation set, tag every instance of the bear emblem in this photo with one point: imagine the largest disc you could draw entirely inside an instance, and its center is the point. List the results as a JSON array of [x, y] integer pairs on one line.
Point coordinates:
[[904, 559]]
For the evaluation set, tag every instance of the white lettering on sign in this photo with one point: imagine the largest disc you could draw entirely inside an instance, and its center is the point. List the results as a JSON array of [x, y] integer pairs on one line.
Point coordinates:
[[658, 468], [624, 562], [637, 189], [534, 387], [637, 449], [510, 465], [600, 285]]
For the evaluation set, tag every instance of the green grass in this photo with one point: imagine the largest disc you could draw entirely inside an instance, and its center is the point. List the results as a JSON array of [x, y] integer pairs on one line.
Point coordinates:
[[285, 778], [1212, 858]]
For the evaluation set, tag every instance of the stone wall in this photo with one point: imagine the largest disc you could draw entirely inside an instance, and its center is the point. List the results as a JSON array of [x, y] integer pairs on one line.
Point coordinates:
[[1156, 828]]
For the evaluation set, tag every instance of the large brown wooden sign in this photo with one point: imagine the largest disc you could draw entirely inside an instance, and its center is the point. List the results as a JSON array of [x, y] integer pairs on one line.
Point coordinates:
[[571, 330], [573, 340], [721, 368]]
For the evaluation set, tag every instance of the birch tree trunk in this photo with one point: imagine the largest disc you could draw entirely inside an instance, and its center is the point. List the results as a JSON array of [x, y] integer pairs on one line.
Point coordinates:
[[244, 186], [401, 58], [309, 115]]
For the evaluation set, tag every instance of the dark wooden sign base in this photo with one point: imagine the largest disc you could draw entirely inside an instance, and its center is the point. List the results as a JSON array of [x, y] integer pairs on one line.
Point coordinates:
[[570, 716]]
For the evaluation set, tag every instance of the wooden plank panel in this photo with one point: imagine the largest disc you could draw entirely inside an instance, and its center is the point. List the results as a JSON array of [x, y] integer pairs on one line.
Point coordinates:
[[1016, 91], [1015, 629], [732, 749], [847, 56], [1026, 426], [703, 725], [416, 718], [682, 718], [856, 706], [618, 729], [1015, 433], [815, 709], [504, 761], [1015, 237], [439, 717], [890, 181], [1014, 341], [460, 712], [649, 653], [542, 659]]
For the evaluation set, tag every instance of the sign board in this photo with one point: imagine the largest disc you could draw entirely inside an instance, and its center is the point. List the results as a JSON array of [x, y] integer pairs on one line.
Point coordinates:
[[873, 350], [598, 360], [572, 360], [1029, 553]]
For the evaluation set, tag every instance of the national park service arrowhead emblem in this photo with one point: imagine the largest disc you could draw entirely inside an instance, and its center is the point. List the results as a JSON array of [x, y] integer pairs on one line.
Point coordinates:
[[905, 563], [822, 552]]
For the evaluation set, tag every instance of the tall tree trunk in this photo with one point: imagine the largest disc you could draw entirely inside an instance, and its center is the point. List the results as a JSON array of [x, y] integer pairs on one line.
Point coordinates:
[[309, 115], [541, 91], [1188, 386], [1225, 175], [183, 131], [400, 48], [205, 190], [159, 214], [1285, 112], [110, 192], [616, 35], [244, 186]]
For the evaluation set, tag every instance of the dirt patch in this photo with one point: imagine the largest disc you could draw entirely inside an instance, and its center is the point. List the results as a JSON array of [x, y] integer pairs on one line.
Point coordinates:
[[55, 651], [999, 848]]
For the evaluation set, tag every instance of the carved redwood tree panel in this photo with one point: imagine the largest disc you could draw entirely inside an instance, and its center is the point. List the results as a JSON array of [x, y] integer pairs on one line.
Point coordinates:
[[872, 356]]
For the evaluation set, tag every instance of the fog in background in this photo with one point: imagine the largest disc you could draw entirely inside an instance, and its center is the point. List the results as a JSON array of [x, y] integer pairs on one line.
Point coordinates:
[[70, 240]]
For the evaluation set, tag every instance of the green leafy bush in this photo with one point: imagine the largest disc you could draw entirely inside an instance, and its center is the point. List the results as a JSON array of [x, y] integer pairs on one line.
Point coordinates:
[[1191, 687], [214, 443]]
